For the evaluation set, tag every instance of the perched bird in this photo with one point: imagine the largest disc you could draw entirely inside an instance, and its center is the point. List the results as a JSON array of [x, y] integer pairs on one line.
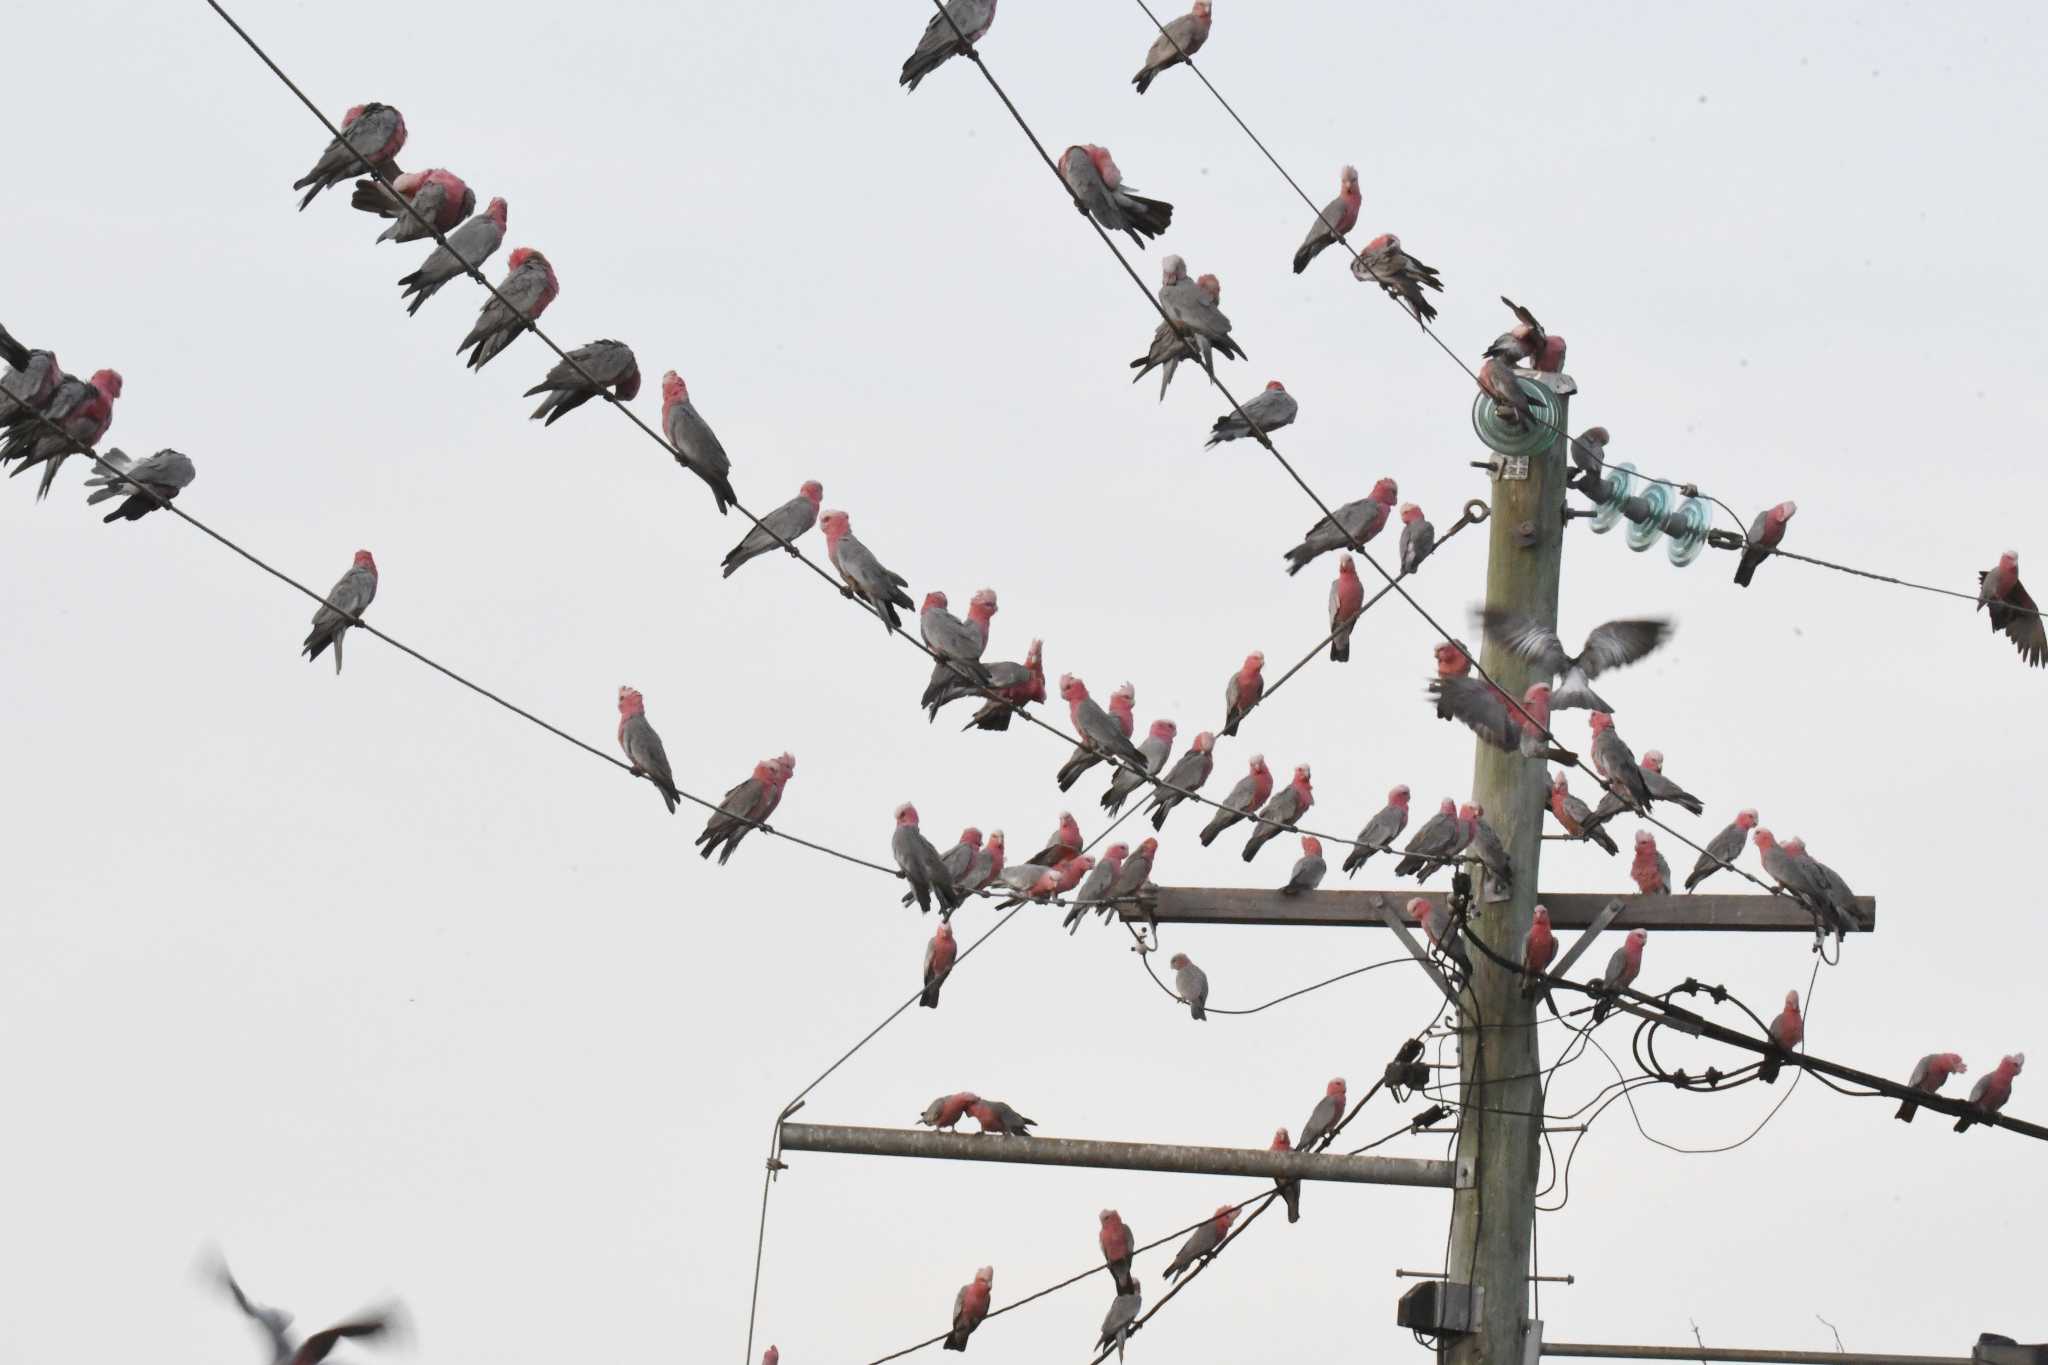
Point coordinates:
[[523, 295], [1522, 342], [785, 769], [1499, 381], [1347, 600], [371, 135], [1839, 900], [30, 380], [2013, 612], [789, 522], [696, 445], [1418, 538], [1589, 455], [164, 474], [1118, 1322], [1247, 796], [1930, 1074], [1323, 1119], [958, 861], [1492, 853], [1440, 837], [1191, 305], [1453, 660], [637, 737], [1788, 1031], [1117, 1243], [1537, 951], [938, 961], [966, 642], [1442, 928], [1622, 970], [610, 365], [1268, 412], [1099, 191], [970, 1305], [79, 410], [1040, 882], [1169, 347], [1289, 1190], [1723, 849], [993, 1116], [1577, 821], [1096, 727], [952, 32], [1243, 691], [1764, 534], [1308, 868], [1203, 1242], [920, 865], [987, 864], [1616, 764], [1157, 748], [771, 1356], [1649, 871], [1353, 524], [1064, 844], [1178, 40], [1137, 870], [1612, 645], [348, 600], [1282, 811], [1190, 986], [1014, 686], [1188, 773], [1991, 1092], [1094, 891], [741, 809], [276, 1324], [1663, 788], [475, 242], [1122, 709], [1338, 217], [1380, 831], [947, 1110], [866, 577], [1402, 276], [439, 200]]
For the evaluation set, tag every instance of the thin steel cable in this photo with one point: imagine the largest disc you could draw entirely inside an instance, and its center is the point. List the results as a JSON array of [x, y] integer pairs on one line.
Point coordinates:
[[1146, 959], [1896, 582]]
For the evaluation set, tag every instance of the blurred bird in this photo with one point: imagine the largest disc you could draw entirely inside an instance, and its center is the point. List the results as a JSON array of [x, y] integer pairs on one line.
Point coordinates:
[[1380, 831], [1930, 1074], [439, 200], [1612, 645], [1522, 728], [1178, 40], [315, 1348], [970, 1305], [1247, 796], [1522, 342], [164, 474], [610, 365], [1267, 413], [2012, 611], [1442, 929], [1188, 774], [72, 422], [30, 380], [1099, 191], [790, 522], [1440, 837], [1723, 849], [1353, 523], [1062, 846], [348, 599], [1501, 382], [371, 135], [1402, 276], [1338, 217], [1764, 534], [1308, 868], [475, 242], [1014, 686], [865, 577], [947, 1110], [952, 32], [1190, 985], [1492, 853]]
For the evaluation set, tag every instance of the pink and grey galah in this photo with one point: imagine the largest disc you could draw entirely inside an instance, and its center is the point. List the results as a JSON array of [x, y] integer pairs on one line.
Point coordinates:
[[1388, 265], [1576, 820], [80, 410], [779, 530], [1615, 762], [938, 962], [987, 865], [1380, 832], [1188, 773], [1282, 811], [1041, 881], [1190, 986], [1122, 709], [1833, 906], [524, 294], [473, 243], [1193, 311], [1308, 868], [1839, 900], [1612, 645], [31, 379], [1723, 849], [695, 444], [1990, 1093], [952, 32], [144, 485], [1267, 413], [1648, 870], [1930, 1074], [1538, 949], [1764, 534], [1622, 970], [438, 199], [588, 373], [1338, 217], [1118, 1323], [1323, 1119], [1014, 686], [1064, 843], [741, 809], [1355, 523], [961, 642], [1100, 192], [1243, 691], [1203, 1242], [2013, 612], [371, 135], [771, 1356], [1500, 381], [1440, 837], [946, 1111], [1093, 892], [1441, 928], [1157, 747], [865, 576], [1247, 796], [958, 861], [1521, 343], [1136, 871], [1347, 600], [1788, 1031], [1663, 788], [1519, 728], [993, 1116], [1203, 352], [1492, 853], [920, 865], [637, 738], [1418, 538], [970, 1305], [1118, 1243], [1107, 735], [785, 769], [1178, 40], [346, 601], [1288, 1190]]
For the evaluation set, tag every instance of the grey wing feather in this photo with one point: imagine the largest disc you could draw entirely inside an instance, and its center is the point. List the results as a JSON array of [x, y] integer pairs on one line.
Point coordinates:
[[1621, 642], [1527, 638], [1480, 707]]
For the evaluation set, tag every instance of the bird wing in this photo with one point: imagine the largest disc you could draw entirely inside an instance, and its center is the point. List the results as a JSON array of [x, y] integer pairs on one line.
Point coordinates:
[[1480, 706], [1526, 638], [2024, 627], [1621, 642]]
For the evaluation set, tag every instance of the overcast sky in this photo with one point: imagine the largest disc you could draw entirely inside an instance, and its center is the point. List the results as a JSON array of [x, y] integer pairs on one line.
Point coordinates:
[[388, 992]]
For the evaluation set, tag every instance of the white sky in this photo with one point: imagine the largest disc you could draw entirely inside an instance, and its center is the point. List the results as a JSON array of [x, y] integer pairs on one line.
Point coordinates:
[[389, 992]]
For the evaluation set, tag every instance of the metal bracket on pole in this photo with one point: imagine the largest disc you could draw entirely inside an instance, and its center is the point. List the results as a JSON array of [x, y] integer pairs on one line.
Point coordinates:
[[1593, 931], [1400, 928]]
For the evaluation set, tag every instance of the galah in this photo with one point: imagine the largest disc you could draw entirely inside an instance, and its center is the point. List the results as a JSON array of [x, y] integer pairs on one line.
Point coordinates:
[[277, 1325], [1723, 849], [1537, 951], [31, 378], [1441, 927], [865, 576], [350, 598], [1099, 730], [1612, 645], [920, 865], [1100, 192], [970, 1305], [1035, 882], [1930, 1074], [1137, 870], [440, 200], [1418, 538], [1550, 360], [1282, 811], [1355, 523], [1522, 342], [1308, 868], [1178, 40], [1268, 412], [1834, 892], [1440, 837], [1492, 853], [956, 644], [1122, 710], [790, 522], [1094, 891], [938, 961], [1518, 728], [1622, 970], [1063, 845], [771, 1356], [1499, 381], [371, 135], [696, 445], [1202, 1243], [1187, 774], [981, 611], [1663, 788], [1157, 748], [610, 365], [1648, 870], [1577, 821], [1118, 1322], [1764, 534], [1190, 985], [958, 862], [1791, 869], [1014, 685], [1169, 347], [1347, 600], [523, 295], [1403, 277], [1243, 691], [1380, 831], [1788, 1031], [1247, 796], [785, 769], [1991, 1092], [993, 1116], [952, 32], [1616, 764], [1191, 306], [947, 1110], [1288, 1190], [1589, 453], [637, 737], [1323, 1119], [1201, 350], [1453, 660], [987, 865], [739, 811], [80, 410], [2012, 611], [475, 242], [1338, 217], [1118, 1244], [164, 474]]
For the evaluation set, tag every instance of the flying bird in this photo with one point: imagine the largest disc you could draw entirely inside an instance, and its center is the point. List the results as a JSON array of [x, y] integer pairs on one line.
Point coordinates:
[[609, 365], [1338, 217], [523, 295], [1402, 276], [780, 529], [348, 600], [1764, 534], [1178, 40], [1612, 645], [473, 243], [315, 1348], [2012, 611], [164, 474], [642, 746], [371, 135], [1268, 412]]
